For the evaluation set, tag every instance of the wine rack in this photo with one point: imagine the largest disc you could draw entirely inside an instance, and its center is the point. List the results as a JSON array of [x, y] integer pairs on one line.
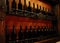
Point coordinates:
[[30, 12], [33, 34], [30, 36]]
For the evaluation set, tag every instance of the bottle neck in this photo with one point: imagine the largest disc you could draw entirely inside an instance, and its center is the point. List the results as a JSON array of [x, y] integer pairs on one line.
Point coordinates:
[[24, 4], [37, 7], [40, 8], [29, 4], [33, 5], [7, 2], [19, 1], [13, 0]]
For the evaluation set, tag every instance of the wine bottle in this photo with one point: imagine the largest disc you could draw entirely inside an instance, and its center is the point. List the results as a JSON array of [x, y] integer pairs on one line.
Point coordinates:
[[48, 29], [40, 8], [25, 5], [26, 32], [42, 11], [48, 13], [13, 5], [33, 7], [45, 10], [30, 32], [48, 32], [42, 31], [19, 5], [38, 31], [45, 32], [37, 10], [7, 5], [7, 34], [20, 33], [29, 7], [34, 32], [13, 35]]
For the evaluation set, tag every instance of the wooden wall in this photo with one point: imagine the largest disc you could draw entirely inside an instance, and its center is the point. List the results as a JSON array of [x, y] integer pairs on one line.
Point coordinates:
[[57, 13]]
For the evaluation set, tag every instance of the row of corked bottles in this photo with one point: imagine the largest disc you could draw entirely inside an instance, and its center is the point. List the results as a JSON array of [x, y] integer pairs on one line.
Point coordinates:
[[28, 36], [28, 8]]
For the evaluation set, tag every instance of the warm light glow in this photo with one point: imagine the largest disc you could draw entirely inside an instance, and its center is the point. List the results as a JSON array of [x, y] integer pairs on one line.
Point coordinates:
[[37, 2], [42, 4], [28, 0]]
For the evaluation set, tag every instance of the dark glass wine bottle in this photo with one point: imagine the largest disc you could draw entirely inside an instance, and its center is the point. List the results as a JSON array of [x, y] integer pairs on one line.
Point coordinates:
[[7, 34], [45, 32], [30, 32], [50, 32], [19, 5], [37, 10], [24, 5], [13, 35], [35, 32], [42, 32], [20, 33], [46, 11], [42, 11], [26, 33], [33, 7], [13, 5], [7, 5], [38, 33], [29, 7], [49, 13]]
